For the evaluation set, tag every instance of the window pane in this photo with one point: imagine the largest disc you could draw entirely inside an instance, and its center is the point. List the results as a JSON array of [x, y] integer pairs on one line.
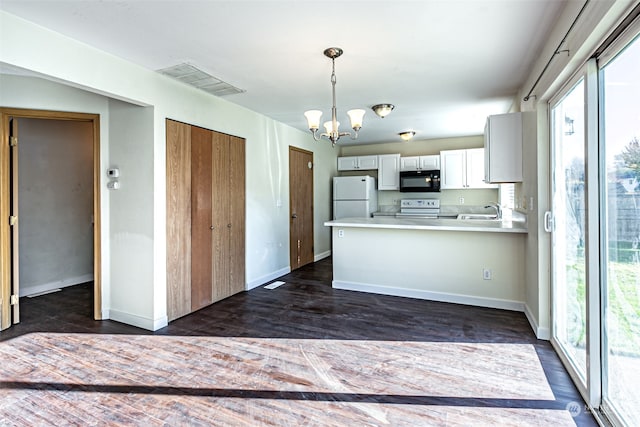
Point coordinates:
[[569, 297], [621, 363]]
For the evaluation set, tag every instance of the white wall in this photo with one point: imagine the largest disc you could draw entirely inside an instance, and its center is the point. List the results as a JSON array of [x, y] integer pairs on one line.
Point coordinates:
[[267, 253], [131, 214], [55, 204]]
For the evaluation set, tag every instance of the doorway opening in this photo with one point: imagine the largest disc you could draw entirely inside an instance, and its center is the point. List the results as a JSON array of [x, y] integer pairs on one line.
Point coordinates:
[[49, 187]]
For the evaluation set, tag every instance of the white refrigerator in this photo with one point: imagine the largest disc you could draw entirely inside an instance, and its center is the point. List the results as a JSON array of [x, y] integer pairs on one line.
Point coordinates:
[[354, 196]]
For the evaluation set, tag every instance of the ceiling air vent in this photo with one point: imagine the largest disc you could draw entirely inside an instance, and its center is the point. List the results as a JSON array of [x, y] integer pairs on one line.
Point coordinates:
[[187, 73]]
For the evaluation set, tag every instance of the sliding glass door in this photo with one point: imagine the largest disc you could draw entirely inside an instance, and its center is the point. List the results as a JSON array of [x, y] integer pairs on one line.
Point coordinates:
[[620, 148], [595, 226], [568, 236]]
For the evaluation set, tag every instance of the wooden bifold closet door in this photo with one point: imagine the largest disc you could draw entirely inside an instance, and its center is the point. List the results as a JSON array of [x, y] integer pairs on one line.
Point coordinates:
[[205, 217]]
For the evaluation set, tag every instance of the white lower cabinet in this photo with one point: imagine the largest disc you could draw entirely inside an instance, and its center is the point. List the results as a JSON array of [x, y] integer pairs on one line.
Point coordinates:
[[463, 169], [389, 172]]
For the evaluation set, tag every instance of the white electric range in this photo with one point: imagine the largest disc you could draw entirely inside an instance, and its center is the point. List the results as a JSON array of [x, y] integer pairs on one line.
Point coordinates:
[[419, 208]]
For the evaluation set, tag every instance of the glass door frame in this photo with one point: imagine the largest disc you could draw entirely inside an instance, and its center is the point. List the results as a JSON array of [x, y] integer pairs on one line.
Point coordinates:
[[590, 389], [627, 36]]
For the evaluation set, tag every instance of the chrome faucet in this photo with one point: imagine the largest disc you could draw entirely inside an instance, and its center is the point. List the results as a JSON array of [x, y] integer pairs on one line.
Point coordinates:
[[497, 207]]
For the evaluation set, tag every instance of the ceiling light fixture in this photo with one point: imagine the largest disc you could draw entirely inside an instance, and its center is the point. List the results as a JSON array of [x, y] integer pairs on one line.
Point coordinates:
[[313, 116], [383, 110], [407, 135]]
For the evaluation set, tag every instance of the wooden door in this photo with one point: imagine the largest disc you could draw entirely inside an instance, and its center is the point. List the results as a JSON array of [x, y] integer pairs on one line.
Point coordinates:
[[202, 224], [178, 219], [236, 214], [300, 207], [9, 250], [205, 217], [13, 222], [5, 230], [221, 219]]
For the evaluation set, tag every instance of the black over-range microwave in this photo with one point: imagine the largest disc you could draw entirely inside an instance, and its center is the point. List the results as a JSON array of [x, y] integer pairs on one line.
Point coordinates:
[[420, 181]]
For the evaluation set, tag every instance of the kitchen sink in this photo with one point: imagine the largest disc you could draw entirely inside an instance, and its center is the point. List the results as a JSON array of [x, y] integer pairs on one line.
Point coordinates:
[[484, 217]]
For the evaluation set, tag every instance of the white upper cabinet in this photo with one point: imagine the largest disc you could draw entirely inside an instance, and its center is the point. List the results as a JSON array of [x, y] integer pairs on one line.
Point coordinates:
[[475, 169], [409, 163], [429, 163], [347, 163], [352, 163], [503, 140], [454, 169], [389, 172], [414, 163], [463, 169]]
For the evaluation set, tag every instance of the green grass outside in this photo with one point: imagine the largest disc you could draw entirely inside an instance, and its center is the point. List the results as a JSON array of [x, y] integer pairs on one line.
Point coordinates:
[[622, 316]]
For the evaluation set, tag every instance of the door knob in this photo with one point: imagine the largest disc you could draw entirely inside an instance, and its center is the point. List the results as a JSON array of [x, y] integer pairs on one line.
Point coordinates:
[[228, 225], [294, 216], [212, 227]]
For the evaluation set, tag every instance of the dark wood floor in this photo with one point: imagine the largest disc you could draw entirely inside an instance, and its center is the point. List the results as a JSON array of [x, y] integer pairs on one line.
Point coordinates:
[[307, 308]]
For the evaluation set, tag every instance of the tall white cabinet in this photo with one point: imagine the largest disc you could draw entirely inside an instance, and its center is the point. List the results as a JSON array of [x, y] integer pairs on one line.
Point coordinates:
[[388, 172], [503, 140]]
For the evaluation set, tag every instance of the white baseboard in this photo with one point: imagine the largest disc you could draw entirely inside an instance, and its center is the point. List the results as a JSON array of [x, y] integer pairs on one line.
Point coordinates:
[[45, 287], [139, 321], [431, 296], [322, 255], [541, 333], [267, 278]]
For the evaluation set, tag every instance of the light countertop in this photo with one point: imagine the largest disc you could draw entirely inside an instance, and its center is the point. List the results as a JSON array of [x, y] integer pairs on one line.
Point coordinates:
[[440, 224]]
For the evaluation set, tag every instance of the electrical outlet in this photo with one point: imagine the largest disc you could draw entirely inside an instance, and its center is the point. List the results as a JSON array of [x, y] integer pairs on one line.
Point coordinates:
[[486, 274], [340, 233], [461, 200]]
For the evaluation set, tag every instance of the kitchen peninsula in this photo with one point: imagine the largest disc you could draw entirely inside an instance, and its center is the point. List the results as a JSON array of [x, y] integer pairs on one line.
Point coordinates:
[[471, 262]]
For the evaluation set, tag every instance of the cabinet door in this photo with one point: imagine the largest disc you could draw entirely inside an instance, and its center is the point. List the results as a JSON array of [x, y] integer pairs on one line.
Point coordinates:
[[475, 169], [347, 163], [368, 162], [388, 173], [503, 145], [430, 162], [409, 163], [453, 173]]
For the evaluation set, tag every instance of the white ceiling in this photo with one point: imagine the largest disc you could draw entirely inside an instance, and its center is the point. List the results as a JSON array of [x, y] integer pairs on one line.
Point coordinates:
[[444, 64]]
